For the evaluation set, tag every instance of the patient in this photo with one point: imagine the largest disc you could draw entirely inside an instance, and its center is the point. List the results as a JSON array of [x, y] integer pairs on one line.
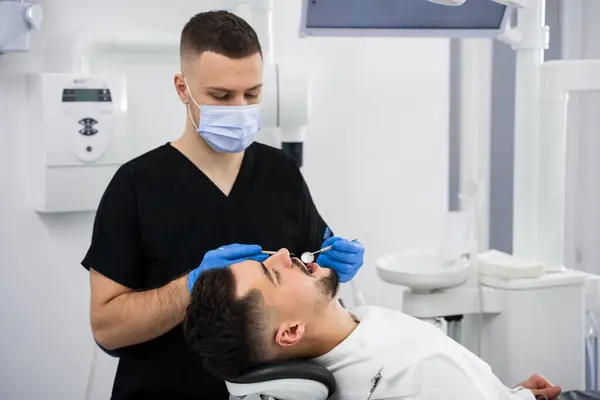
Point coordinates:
[[255, 313]]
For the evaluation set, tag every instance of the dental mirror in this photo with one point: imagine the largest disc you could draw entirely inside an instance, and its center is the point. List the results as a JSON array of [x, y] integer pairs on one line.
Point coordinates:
[[307, 257]]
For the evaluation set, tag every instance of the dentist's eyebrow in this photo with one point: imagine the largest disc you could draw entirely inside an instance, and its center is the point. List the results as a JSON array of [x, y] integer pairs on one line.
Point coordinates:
[[226, 90]]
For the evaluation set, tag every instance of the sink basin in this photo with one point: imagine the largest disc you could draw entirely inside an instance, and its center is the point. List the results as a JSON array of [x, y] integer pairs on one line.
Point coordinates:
[[423, 270]]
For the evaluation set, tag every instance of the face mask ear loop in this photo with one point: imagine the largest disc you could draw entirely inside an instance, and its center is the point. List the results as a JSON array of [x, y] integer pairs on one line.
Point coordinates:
[[192, 117], [188, 105]]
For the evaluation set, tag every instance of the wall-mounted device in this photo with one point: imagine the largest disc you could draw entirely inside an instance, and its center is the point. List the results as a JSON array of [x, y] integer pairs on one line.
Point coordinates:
[[88, 103], [17, 20], [78, 140]]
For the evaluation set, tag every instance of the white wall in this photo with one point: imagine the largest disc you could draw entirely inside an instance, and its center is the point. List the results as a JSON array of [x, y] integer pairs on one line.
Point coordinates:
[[583, 183], [376, 161]]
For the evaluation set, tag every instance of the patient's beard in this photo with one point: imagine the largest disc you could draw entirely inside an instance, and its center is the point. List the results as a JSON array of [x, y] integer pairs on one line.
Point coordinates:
[[328, 286], [332, 323]]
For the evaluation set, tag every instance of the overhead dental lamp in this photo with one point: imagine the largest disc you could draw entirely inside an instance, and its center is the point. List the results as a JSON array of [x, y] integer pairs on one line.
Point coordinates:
[[426, 18], [17, 20]]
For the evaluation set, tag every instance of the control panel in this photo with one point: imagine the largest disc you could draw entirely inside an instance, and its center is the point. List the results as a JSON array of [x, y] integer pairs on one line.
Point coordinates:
[[79, 138], [88, 112]]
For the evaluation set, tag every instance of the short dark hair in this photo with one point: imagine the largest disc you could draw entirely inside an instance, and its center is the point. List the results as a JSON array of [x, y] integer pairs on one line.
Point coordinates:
[[219, 32], [227, 331]]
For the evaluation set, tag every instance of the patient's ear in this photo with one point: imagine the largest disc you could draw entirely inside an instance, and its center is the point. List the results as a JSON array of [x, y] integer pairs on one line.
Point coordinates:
[[289, 333]]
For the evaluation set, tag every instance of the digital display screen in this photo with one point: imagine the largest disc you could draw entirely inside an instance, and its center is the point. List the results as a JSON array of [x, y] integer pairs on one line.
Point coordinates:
[[86, 95]]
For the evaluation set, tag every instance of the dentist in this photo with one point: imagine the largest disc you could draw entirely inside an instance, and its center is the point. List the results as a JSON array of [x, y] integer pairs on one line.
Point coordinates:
[[209, 199]]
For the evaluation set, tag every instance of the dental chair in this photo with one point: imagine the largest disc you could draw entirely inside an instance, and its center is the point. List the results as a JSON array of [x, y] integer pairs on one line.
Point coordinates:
[[292, 380]]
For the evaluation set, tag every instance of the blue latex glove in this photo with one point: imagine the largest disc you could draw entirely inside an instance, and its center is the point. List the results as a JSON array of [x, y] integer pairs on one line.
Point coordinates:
[[225, 256], [345, 257]]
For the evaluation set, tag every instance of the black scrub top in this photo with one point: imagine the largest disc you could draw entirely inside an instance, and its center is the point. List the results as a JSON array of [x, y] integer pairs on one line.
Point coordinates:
[[159, 216]]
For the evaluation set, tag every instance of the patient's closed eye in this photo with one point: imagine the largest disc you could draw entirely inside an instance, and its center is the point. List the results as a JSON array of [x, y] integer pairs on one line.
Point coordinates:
[[277, 276]]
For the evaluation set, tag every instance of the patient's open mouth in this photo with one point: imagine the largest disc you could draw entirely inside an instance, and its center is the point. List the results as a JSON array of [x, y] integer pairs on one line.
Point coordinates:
[[306, 269]]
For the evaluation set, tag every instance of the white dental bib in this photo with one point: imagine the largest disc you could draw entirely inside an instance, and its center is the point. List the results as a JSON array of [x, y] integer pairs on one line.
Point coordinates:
[[395, 342]]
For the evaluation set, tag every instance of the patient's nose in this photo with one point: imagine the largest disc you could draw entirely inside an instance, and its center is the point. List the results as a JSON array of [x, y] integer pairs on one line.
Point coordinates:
[[282, 257]]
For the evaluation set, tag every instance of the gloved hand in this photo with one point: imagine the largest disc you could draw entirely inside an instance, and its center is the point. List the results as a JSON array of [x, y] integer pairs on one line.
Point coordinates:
[[224, 257], [345, 257]]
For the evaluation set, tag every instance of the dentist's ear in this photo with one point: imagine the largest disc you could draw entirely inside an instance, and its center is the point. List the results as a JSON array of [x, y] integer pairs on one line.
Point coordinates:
[[289, 333], [181, 88]]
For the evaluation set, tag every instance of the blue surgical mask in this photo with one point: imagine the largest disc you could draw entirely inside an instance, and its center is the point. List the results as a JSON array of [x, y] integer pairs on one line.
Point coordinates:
[[227, 129]]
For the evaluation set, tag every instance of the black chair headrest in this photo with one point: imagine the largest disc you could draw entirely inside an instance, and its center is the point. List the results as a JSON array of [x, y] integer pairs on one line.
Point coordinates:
[[289, 370]]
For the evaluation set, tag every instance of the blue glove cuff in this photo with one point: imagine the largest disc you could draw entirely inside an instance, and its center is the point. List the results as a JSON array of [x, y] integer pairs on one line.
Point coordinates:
[[191, 280]]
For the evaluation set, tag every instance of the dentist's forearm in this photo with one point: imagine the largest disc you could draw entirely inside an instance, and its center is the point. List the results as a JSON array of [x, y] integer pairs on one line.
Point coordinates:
[[137, 317]]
